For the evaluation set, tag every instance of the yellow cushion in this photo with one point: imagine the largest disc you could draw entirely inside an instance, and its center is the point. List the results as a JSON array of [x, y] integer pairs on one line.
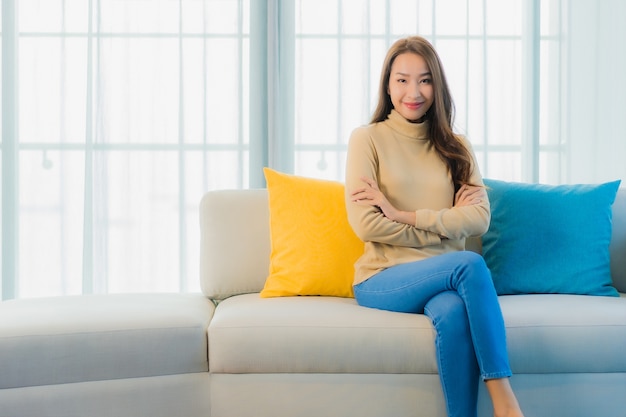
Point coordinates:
[[313, 246]]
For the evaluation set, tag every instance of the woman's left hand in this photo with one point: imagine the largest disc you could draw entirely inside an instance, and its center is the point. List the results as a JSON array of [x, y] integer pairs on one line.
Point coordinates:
[[370, 195]]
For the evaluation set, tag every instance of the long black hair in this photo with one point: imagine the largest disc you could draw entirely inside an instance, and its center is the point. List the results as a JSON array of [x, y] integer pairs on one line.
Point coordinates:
[[441, 113]]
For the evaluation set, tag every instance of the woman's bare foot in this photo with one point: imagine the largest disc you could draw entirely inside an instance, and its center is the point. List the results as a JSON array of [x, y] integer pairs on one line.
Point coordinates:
[[510, 413], [503, 399]]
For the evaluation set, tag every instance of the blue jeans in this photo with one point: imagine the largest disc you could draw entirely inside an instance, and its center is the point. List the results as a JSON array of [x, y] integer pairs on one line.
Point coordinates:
[[456, 291]]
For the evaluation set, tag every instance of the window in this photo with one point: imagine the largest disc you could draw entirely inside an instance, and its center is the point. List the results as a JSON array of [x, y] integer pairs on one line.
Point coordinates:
[[117, 115], [485, 46], [128, 110]]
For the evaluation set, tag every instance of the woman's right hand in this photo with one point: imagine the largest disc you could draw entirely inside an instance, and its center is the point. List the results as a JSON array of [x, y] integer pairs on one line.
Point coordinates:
[[469, 195]]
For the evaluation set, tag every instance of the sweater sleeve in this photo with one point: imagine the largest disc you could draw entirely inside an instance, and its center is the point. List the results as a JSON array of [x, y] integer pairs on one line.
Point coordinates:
[[368, 222], [458, 222]]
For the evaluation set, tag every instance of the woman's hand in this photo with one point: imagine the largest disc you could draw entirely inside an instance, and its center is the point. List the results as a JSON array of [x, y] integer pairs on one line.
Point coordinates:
[[469, 195], [370, 195]]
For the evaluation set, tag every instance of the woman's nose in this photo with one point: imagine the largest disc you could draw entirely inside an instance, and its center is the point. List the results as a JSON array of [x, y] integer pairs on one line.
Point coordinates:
[[414, 92]]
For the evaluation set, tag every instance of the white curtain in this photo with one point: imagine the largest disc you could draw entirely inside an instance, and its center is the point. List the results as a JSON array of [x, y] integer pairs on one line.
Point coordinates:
[[127, 112], [119, 114], [595, 93]]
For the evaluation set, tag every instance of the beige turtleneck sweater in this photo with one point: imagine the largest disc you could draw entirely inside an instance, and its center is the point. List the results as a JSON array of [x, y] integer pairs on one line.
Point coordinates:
[[399, 156]]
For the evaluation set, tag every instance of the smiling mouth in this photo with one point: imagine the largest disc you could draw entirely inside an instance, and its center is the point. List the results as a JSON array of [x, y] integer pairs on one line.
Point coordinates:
[[413, 106]]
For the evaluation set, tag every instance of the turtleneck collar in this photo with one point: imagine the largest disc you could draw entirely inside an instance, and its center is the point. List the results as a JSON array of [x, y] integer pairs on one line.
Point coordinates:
[[401, 125]]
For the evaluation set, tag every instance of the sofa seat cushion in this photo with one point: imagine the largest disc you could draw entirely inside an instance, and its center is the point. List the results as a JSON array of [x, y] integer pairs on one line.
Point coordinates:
[[88, 338], [249, 334], [555, 333], [550, 333]]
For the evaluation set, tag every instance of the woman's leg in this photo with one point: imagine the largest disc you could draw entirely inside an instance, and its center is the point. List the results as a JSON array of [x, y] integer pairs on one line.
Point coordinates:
[[458, 369], [503, 399], [408, 287]]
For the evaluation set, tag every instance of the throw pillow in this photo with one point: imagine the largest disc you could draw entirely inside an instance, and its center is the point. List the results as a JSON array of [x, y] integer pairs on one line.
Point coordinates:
[[313, 247], [550, 239]]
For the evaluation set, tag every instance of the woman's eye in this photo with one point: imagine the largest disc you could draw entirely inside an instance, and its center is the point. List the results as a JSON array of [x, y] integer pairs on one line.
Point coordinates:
[[426, 81]]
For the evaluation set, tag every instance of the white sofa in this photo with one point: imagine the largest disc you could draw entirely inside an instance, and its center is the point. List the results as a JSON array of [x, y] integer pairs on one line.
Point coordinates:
[[109, 355], [229, 352]]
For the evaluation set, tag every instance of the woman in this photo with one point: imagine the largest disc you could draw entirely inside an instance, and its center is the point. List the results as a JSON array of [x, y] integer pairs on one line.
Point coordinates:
[[413, 194]]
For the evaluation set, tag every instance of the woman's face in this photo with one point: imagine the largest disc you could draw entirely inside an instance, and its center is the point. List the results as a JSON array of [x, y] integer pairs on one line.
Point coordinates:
[[410, 86]]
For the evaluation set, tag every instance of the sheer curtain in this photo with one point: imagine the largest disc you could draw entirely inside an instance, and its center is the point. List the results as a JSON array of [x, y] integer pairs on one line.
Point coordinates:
[[595, 93], [119, 114], [127, 112]]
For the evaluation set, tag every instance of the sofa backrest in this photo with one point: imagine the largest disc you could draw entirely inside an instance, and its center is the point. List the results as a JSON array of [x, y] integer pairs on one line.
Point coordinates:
[[235, 242], [618, 242]]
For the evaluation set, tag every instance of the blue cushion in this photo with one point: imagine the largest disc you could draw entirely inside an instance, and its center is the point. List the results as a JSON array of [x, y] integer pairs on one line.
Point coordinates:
[[550, 239]]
